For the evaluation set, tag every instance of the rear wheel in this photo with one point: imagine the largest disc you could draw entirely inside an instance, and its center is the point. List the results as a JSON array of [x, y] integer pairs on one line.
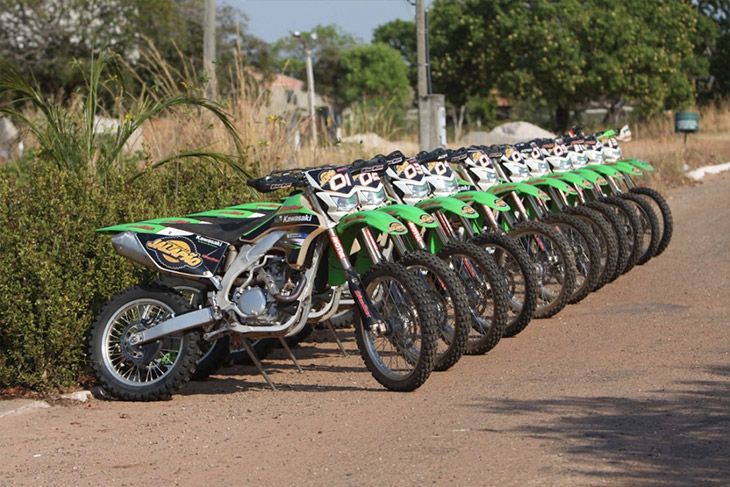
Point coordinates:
[[150, 371], [520, 279], [666, 224], [553, 262], [447, 293], [213, 354], [402, 358], [485, 288]]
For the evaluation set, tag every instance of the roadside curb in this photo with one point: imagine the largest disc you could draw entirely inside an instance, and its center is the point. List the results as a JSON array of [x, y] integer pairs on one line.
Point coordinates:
[[20, 406]]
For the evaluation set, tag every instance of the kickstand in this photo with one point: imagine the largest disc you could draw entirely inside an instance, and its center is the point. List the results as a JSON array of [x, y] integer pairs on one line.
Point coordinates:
[[337, 338], [285, 346], [249, 350]]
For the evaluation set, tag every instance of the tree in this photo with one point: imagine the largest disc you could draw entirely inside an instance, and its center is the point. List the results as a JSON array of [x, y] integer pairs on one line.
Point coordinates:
[[462, 52], [48, 37], [45, 36], [717, 14], [375, 73], [563, 54], [327, 52], [401, 36]]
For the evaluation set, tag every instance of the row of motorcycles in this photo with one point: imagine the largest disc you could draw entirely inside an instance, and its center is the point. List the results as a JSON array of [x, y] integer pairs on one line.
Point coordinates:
[[429, 257]]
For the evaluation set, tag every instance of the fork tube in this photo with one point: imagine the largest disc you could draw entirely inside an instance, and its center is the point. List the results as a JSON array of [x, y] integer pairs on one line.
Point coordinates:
[[445, 231], [520, 206], [466, 224], [400, 245], [490, 217], [416, 234], [371, 245]]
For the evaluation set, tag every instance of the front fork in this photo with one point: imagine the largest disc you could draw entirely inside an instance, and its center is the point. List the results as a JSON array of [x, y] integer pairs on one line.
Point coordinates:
[[368, 312]]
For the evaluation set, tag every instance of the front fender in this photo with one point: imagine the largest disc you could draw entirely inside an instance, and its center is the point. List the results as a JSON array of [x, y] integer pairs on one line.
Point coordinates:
[[520, 188], [382, 222], [348, 229], [553, 183], [643, 165], [411, 214], [483, 198], [572, 178], [448, 204], [592, 176], [627, 168], [602, 169]]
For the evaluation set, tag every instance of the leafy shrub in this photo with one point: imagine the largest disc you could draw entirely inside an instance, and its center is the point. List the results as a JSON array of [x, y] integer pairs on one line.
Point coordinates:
[[57, 271]]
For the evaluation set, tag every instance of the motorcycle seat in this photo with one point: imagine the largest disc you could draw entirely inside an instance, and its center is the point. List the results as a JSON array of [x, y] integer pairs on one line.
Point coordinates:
[[225, 229]]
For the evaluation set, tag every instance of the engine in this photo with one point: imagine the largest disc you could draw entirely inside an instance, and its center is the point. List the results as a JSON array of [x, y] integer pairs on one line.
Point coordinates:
[[269, 293]]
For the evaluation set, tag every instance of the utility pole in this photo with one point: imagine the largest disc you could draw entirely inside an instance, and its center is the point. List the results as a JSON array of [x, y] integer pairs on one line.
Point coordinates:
[[310, 93], [422, 69], [310, 81], [209, 49]]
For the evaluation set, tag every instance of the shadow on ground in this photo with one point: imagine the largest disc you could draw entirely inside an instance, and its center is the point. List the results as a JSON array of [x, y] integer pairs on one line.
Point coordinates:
[[677, 437]]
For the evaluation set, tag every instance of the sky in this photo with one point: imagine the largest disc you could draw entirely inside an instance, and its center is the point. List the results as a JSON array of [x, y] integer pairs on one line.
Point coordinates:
[[273, 19]]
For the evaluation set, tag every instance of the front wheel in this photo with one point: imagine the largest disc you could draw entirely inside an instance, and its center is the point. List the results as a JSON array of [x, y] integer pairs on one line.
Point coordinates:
[[447, 293], [521, 281], [486, 291], [402, 358], [586, 250], [148, 372], [666, 224], [554, 265]]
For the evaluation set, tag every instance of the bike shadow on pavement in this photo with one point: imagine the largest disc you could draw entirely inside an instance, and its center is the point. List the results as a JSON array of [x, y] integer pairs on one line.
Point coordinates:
[[679, 436], [316, 355]]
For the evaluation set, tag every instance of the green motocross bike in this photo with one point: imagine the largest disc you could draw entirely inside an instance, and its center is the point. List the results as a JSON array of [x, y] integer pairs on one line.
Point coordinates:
[[266, 272]]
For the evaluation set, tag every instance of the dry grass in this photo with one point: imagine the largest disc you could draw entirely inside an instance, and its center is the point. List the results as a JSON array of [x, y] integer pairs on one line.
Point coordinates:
[[655, 141]]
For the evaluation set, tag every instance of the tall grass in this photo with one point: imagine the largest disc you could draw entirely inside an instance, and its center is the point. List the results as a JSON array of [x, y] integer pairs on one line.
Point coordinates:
[[655, 140], [66, 135]]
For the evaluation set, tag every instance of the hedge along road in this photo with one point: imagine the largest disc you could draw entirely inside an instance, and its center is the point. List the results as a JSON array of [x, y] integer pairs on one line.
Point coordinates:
[[631, 386]]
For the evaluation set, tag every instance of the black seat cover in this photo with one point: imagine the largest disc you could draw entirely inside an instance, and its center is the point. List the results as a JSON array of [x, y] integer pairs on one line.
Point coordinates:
[[225, 229]]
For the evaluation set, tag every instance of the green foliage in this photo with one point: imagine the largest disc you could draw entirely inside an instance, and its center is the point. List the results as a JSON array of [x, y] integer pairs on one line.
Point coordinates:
[[65, 33], [374, 73], [401, 36], [564, 54], [57, 271]]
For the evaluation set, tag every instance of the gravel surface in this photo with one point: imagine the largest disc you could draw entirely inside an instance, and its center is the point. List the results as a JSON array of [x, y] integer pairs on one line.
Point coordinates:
[[629, 387]]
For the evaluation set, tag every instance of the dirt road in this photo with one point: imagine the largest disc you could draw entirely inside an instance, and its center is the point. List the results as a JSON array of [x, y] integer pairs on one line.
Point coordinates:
[[629, 387]]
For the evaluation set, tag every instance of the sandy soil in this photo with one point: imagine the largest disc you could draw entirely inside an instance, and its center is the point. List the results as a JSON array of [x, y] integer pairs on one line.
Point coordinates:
[[629, 387]]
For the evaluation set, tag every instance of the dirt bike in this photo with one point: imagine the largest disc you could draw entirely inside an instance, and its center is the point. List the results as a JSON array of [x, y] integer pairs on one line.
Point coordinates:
[[548, 251], [413, 204], [523, 163], [266, 271]]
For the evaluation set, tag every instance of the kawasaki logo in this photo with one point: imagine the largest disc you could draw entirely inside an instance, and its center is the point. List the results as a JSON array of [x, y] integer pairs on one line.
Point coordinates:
[[296, 218]]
